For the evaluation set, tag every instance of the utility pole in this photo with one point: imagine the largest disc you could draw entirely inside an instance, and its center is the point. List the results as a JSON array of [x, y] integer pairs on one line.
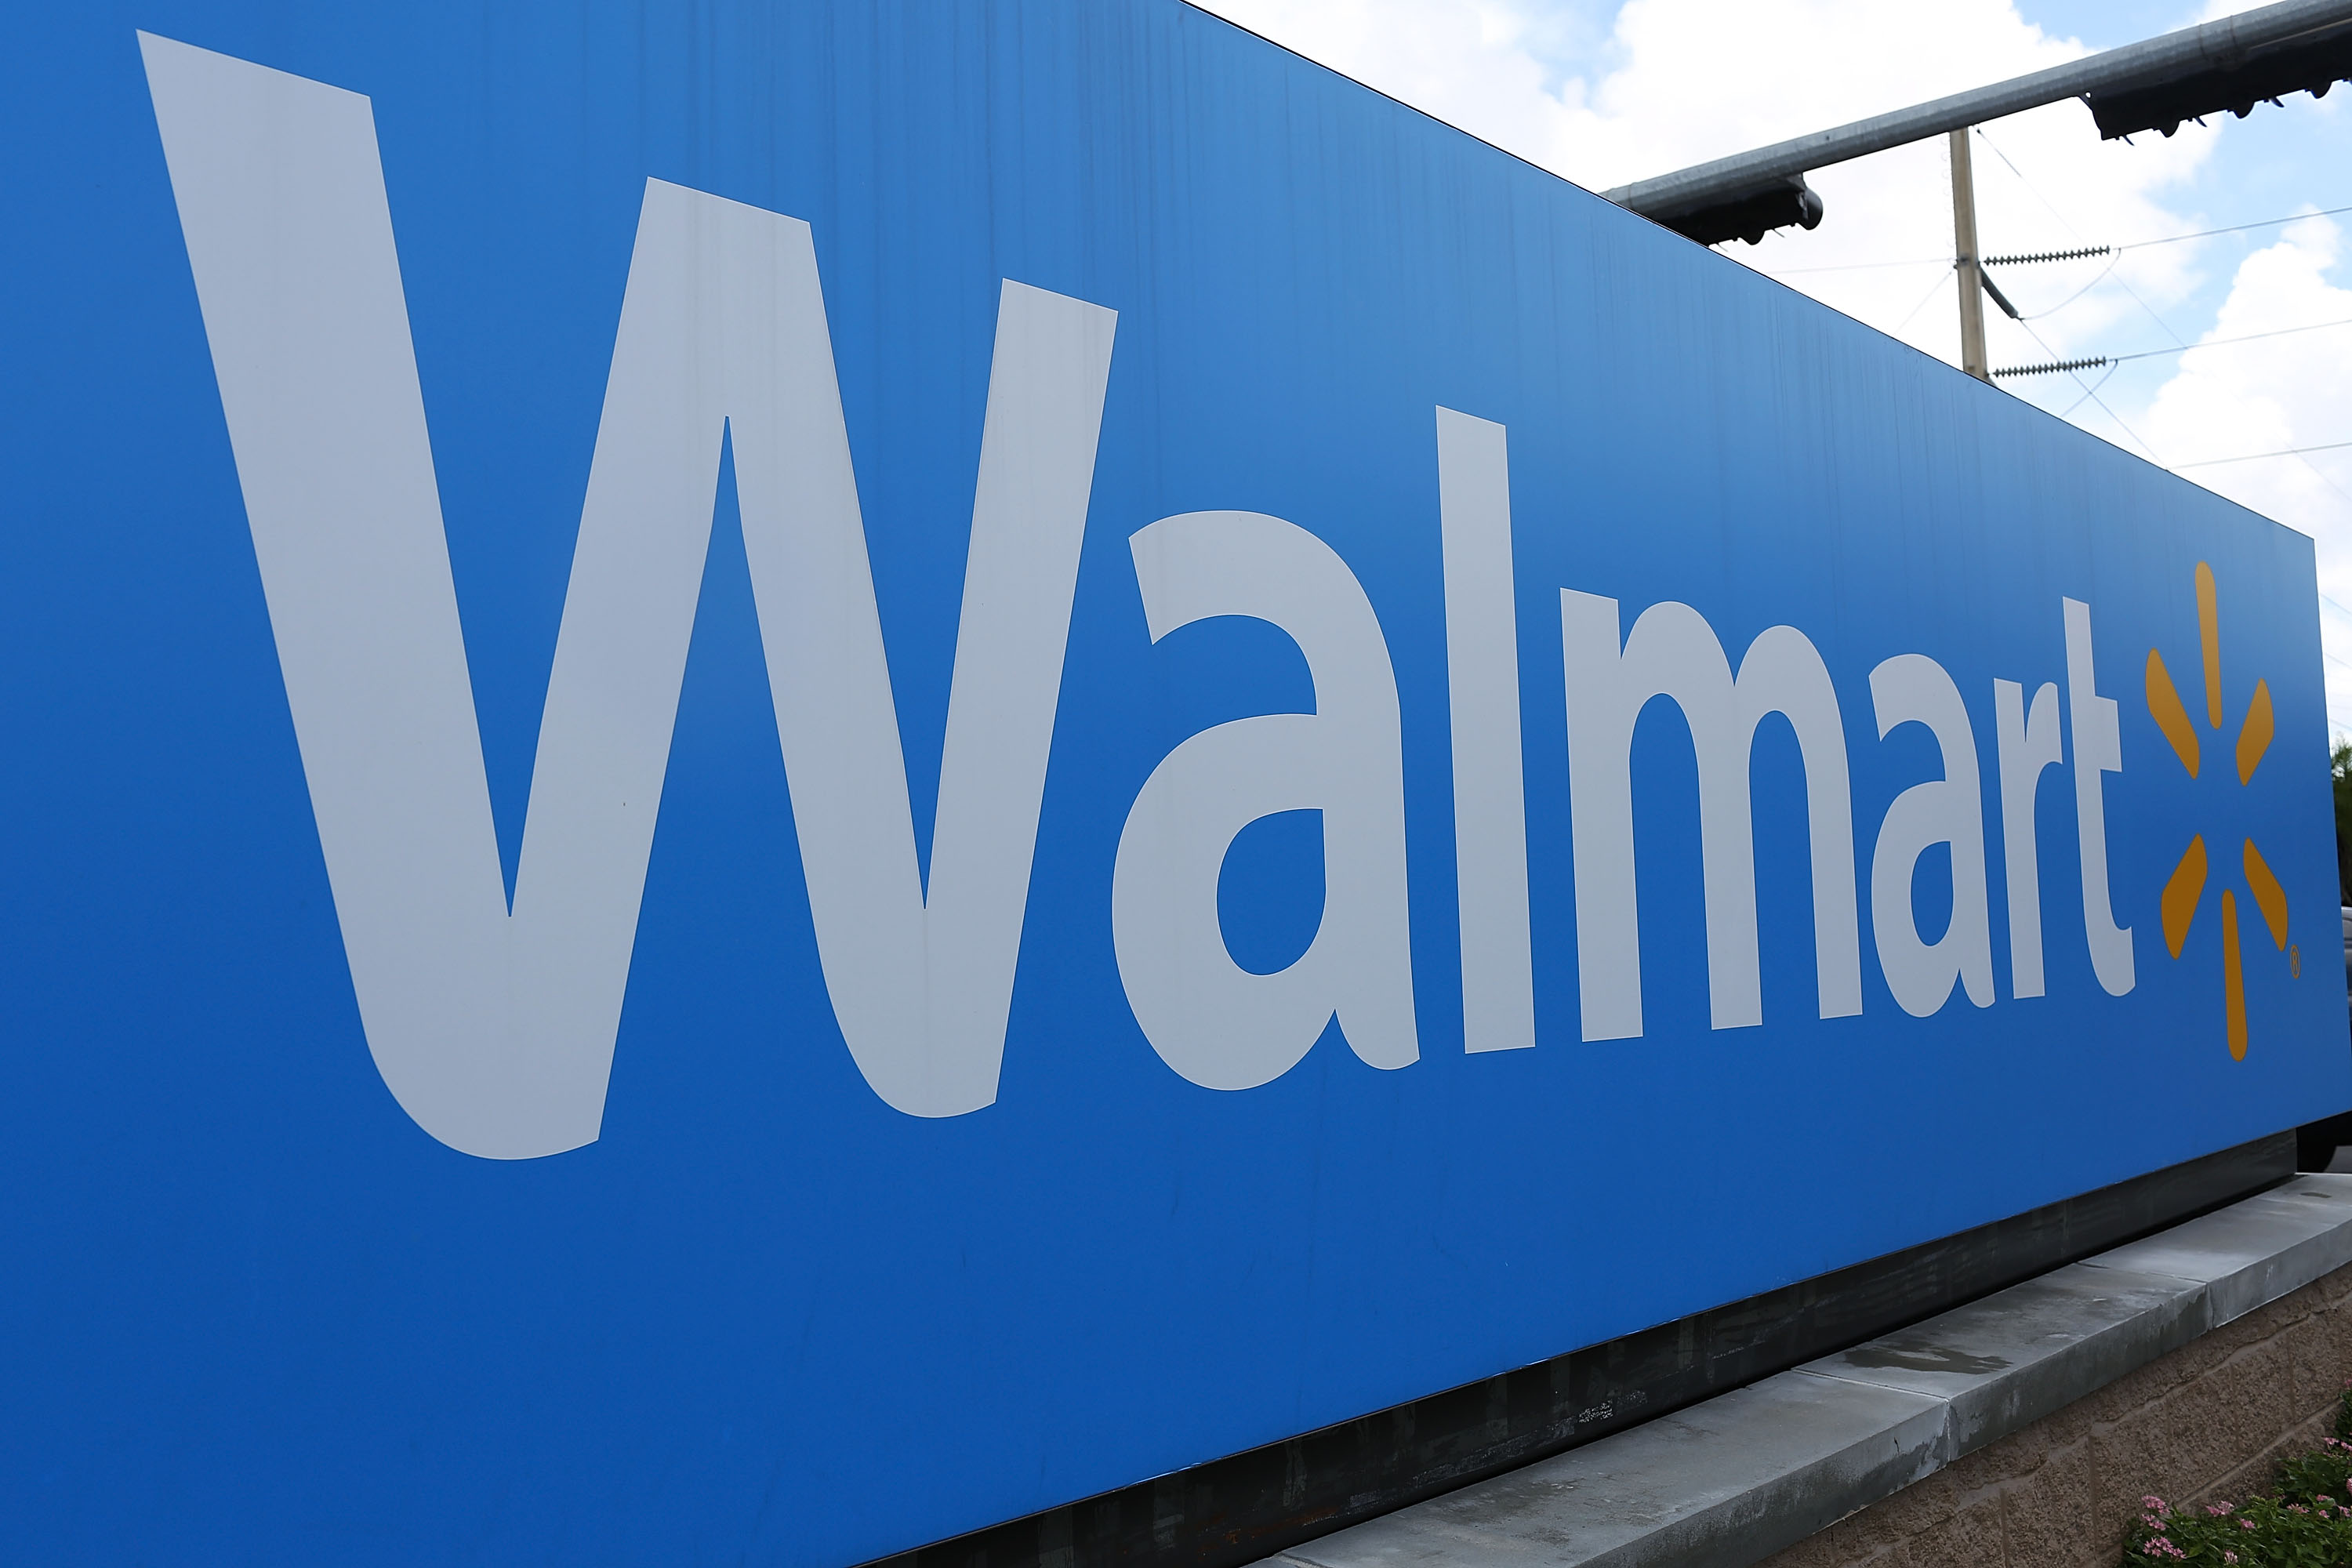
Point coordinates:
[[1965, 258]]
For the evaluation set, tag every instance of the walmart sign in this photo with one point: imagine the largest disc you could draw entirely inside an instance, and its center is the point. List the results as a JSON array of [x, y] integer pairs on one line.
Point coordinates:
[[1095, 750]]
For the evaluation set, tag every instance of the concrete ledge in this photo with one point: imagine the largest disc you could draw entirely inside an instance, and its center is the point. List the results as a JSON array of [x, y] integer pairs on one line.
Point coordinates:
[[2253, 1252], [1996, 1365], [1728, 1482]]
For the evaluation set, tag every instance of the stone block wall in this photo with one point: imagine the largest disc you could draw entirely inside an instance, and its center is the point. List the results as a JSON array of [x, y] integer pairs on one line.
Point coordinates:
[[2204, 1423]]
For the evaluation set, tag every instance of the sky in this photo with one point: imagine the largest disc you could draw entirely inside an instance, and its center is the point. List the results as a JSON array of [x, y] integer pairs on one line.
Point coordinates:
[[1603, 92]]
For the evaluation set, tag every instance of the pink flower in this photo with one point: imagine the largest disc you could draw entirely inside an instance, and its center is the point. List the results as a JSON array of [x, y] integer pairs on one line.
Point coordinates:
[[2229, 1557], [2217, 1510], [2156, 1503], [2245, 1524]]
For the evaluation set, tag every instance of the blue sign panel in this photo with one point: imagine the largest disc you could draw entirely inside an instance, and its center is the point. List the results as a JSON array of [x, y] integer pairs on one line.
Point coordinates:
[[787, 775]]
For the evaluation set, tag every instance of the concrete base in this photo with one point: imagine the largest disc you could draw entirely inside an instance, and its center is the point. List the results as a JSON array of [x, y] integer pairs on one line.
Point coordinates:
[[1730, 1482], [2207, 1422]]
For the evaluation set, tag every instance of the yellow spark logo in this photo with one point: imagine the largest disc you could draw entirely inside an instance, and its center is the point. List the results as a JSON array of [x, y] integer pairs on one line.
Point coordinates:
[[2178, 905]]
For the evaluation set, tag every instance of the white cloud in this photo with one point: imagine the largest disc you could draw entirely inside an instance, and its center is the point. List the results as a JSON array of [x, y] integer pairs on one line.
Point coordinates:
[[2269, 395]]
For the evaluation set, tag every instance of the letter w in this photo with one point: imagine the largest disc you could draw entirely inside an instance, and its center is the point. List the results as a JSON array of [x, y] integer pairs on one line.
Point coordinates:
[[495, 1028]]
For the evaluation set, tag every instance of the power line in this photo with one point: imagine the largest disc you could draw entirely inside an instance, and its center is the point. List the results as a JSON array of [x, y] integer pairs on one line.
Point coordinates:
[[2244, 338], [2029, 185], [2321, 475], [2057, 366], [2122, 283], [2088, 393], [2083, 253], [2232, 228], [2300, 454], [2092, 361], [2282, 452], [1922, 305], [2090, 390], [2102, 277], [2090, 250]]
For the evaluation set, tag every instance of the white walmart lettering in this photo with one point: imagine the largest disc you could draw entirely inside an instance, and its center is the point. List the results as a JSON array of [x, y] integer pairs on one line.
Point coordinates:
[[493, 1021]]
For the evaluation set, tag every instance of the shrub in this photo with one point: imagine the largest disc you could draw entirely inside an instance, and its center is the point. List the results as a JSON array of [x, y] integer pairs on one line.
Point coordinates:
[[2306, 1521]]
